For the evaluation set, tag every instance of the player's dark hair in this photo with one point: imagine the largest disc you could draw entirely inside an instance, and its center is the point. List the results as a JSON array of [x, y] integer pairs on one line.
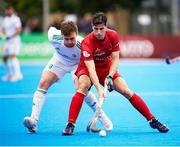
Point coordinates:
[[67, 27], [8, 6], [99, 18]]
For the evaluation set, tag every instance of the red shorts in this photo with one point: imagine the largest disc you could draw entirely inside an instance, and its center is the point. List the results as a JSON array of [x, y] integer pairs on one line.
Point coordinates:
[[101, 73]]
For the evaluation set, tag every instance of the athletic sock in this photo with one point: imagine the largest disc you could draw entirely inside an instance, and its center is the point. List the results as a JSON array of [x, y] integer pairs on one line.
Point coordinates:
[[140, 105], [38, 102], [8, 65], [90, 100], [75, 107], [16, 66]]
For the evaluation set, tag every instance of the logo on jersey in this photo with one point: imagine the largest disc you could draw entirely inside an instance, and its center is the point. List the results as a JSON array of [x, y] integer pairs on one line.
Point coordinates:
[[50, 66], [97, 51], [74, 55], [86, 54], [57, 37]]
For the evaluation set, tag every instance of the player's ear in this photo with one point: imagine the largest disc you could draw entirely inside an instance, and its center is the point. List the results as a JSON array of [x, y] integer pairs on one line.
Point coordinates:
[[92, 25]]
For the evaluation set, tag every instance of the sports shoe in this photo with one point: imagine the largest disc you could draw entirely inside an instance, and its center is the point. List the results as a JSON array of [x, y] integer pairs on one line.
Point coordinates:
[[69, 129], [105, 121], [16, 78], [155, 124], [6, 77], [31, 124]]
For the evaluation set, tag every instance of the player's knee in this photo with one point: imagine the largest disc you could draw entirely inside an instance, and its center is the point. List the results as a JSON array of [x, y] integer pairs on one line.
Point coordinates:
[[126, 92], [83, 87], [44, 84]]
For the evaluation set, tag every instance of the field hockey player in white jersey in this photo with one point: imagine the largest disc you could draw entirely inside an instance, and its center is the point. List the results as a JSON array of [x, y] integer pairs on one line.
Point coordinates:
[[65, 60], [11, 28]]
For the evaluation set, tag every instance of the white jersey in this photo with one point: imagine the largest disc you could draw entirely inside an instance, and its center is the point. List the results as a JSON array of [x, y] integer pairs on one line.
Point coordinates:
[[9, 25], [67, 56]]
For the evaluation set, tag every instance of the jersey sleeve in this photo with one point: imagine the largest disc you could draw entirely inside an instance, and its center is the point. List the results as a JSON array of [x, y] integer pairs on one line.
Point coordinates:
[[115, 42], [17, 22], [79, 41], [86, 52], [2, 26], [54, 35]]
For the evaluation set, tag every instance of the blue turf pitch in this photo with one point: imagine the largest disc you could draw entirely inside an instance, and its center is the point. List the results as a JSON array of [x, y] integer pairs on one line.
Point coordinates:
[[157, 83]]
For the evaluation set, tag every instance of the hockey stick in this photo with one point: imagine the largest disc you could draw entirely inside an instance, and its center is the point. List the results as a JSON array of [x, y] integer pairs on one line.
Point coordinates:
[[96, 113], [170, 60]]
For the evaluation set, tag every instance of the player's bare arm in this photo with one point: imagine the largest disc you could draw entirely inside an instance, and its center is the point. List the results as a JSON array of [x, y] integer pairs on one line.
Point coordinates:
[[94, 78], [18, 31], [115, 63], [114, 66]]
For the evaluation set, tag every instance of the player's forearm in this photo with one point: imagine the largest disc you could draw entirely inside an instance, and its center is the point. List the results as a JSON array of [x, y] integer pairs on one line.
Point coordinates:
[[94, 79], [17, 32], [92, 73], [114, 65]]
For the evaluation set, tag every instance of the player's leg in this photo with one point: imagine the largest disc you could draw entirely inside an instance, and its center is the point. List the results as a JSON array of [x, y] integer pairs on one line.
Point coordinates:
[[7, 62], [53, 72], [84, 84], [16, 68], [91, 101], [14, 48], [8, 67], [47, 79], [120, 86]]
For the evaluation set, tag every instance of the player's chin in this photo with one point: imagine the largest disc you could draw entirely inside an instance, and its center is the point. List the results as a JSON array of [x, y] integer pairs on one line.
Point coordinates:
[[100, 37], [70, 45]]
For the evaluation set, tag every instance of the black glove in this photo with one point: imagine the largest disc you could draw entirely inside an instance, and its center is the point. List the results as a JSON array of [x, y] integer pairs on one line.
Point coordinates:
[[110, 83], [7, 38]]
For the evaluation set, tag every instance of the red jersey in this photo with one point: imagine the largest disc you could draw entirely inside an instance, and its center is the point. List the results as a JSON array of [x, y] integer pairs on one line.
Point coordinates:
[[99, 51]]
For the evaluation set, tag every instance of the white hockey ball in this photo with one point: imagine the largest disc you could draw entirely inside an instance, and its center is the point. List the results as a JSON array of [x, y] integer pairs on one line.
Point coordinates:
[[102, 133]]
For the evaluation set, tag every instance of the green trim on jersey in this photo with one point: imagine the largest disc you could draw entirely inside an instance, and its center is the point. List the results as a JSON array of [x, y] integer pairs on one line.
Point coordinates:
[[57, 37], [78, 44], [79, 40]]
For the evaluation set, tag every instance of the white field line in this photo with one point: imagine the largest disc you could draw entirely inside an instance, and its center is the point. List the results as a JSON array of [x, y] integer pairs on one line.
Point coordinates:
[[65, 95], [94, 146]]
